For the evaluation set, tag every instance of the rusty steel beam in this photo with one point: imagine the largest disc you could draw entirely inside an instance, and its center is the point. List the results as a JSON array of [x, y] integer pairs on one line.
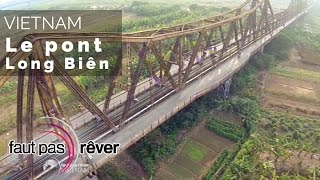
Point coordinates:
[[6, 74], [145, 63], [227, 41], [241, 29], [180, 63], [112, 83], [192, 59], [254, 18], [135, 79], [80, 94], [263, 22], [46, 87], [173, 58], [30, 118], [208, 37], [247, 30], [221, 34], [236, 37], [163, 66], [19, 120]]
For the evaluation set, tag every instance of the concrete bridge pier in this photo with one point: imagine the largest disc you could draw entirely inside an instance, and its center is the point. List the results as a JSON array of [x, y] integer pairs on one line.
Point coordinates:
[[225, 88], [261, 49]]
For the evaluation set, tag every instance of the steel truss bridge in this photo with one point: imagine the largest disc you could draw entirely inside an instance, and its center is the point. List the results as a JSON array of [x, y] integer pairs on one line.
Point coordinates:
[[193, 59]]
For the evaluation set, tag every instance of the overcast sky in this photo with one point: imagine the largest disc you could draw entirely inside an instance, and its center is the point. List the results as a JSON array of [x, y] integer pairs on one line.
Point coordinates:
[[4, 1]]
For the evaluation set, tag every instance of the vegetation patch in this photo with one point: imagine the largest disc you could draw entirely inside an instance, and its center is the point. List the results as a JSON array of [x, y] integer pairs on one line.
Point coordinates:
[[211, 174], [112, 172], [180, 171], [189, 164], [296, 73], [194, 151], [8, 87], [225, 129], [309, 96]]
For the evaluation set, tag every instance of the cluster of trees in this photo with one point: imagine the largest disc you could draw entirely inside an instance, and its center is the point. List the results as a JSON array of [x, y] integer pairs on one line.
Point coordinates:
[[222, 163], [162, 16], [304, 38], [280, 46], [195, 7], [278, 136], [243, 162], [152, 148], [299, 132], [148, 9]]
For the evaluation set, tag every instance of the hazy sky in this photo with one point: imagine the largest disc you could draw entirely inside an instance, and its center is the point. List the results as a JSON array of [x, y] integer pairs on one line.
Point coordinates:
[[4, 1]]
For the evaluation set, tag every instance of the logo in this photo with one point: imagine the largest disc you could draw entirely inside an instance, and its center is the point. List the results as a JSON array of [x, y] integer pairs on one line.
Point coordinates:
[[59, 141], [68, 136]]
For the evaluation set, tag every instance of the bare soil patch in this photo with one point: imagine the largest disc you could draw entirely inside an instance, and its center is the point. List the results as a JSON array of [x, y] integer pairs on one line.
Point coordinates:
[[293, 107], [303, 58], [295, 162], [294, 94]]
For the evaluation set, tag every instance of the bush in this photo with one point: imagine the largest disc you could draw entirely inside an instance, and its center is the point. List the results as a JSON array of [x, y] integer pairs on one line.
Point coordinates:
[[280, 46], [225, 129], [216, 165], [112, 171]]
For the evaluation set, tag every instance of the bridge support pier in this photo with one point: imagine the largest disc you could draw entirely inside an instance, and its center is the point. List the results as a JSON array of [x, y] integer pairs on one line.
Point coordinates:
[[261, 50], [225, 88]]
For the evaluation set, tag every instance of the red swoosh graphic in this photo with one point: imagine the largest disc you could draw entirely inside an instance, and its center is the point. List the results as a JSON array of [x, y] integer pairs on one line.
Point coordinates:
[[72, 144], [68, 147]]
